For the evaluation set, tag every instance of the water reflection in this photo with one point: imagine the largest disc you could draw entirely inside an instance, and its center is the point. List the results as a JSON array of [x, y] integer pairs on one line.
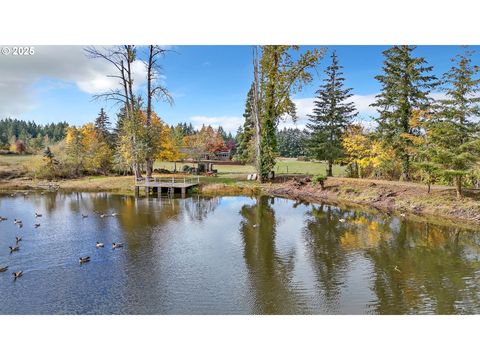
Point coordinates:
[[269, 273], [228, 255], [323, 240]]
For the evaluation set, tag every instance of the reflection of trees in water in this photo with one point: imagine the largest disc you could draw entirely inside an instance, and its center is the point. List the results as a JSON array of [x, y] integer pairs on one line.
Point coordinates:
[[49, 201], [425, 267], [270, 273], [323, 231], [198, 208]]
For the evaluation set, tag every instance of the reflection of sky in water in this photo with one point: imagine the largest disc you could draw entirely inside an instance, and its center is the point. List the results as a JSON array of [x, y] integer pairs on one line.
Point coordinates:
[[230, 255]]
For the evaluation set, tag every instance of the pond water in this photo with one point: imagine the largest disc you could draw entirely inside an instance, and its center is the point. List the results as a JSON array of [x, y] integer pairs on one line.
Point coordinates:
[[229, 255]]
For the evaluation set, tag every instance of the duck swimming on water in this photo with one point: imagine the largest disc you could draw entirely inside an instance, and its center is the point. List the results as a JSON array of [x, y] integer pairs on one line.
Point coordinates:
[[116, 245], [84, 259]]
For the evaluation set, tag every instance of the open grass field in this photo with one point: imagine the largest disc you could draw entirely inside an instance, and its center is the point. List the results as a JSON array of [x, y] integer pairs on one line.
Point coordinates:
[[284, 166]]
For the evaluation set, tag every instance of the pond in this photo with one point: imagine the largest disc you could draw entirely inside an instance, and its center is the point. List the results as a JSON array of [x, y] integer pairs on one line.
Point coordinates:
[[229, 255]]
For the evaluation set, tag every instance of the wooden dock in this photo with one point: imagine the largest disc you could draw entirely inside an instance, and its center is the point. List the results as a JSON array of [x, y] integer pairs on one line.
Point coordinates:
[[156, 185]]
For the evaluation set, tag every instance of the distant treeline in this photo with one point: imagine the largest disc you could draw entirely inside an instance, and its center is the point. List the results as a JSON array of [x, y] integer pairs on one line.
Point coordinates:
[[13, 130]]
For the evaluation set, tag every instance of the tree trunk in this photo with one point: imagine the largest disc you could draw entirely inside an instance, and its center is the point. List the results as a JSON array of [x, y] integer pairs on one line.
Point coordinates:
[[405, 169], [458, 186], [256, 112], [149, 160], [329, 169], [137, 171], [149, 167]]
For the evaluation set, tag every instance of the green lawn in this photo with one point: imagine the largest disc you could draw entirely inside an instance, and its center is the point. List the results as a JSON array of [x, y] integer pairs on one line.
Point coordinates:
[[284, 166]]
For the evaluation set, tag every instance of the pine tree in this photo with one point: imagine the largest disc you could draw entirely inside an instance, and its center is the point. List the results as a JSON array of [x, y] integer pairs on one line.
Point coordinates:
[[332, 114], [453, 143], [406, 84], [102, 124], [244, 150]]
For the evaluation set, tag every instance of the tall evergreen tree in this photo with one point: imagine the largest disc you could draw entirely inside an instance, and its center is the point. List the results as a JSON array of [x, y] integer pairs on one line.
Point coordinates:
[[245, 134], [332, 114], [453, 142], [102, 124], [406, 84]]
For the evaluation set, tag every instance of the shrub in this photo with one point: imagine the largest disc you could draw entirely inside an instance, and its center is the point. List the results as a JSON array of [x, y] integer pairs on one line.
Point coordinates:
[[319, 180]]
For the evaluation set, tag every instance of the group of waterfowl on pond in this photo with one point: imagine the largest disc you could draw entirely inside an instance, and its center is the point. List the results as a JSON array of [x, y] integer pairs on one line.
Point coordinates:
[[19, 224]]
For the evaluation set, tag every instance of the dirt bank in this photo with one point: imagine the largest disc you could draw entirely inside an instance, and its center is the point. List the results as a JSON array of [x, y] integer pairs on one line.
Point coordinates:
[[395, 197]]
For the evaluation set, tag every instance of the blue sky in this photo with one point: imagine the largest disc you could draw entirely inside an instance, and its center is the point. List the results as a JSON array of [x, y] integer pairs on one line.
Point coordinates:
[[209, 83]]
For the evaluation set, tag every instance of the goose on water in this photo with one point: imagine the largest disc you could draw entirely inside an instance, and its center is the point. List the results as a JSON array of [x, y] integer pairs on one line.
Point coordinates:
[[38, 215], [17, 274], [14, 248], [99, 245], [17, 222], [84, 216], [116, 245], [37, 225], [18, 239], [3, 218], [84, 259], [3, 269]]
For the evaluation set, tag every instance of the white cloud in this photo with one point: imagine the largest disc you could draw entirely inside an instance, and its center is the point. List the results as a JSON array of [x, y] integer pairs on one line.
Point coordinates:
[[229, 123], [19, 74]]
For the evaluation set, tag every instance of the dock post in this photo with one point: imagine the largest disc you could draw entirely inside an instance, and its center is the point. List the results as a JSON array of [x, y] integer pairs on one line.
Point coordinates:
[[137, 191], [184, 190], [159, 194], [147, 191]]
